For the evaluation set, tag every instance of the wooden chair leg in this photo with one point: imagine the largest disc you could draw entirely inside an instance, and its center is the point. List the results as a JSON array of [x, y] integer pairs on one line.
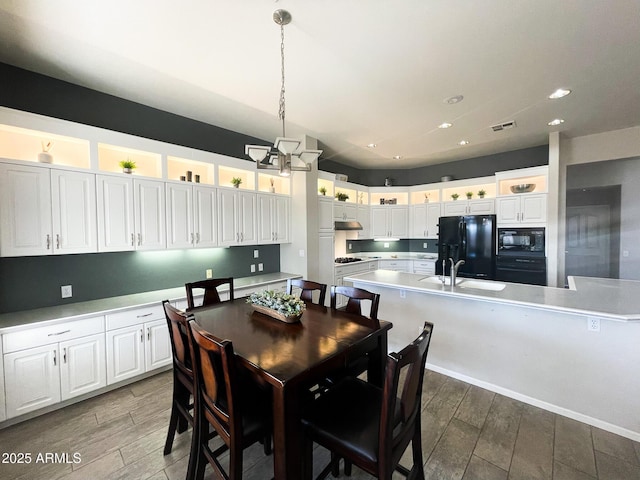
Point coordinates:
[[173, 423], [307, 452], [266, 444], [335, 465], [347, 467]]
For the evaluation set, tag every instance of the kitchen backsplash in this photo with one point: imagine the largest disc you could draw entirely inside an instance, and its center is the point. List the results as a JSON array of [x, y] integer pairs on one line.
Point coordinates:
[[405, 245], [34, 282]]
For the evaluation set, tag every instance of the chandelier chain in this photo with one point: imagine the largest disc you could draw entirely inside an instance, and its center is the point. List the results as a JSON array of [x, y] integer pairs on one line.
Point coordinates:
[[281, 108]]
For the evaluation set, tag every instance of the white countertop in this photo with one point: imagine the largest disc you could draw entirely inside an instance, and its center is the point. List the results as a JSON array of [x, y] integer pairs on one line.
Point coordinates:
[[600, 297], [73, 311]]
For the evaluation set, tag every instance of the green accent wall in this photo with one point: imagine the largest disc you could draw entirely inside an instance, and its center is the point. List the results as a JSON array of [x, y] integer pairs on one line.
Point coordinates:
[[34, 282]]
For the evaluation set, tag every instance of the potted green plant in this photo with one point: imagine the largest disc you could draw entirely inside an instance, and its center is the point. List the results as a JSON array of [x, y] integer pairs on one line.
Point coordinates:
[[469, 195], [454, 196], [236, 181], [342, 197], [481, 193], [128, 165], [323, 190]]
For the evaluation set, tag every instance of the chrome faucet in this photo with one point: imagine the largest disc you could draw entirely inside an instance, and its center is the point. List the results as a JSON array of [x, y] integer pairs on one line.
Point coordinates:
[[454, 270]]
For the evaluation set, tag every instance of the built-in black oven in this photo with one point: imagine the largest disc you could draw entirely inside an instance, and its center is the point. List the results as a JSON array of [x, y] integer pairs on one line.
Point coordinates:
[[518, 241], [521, 256]]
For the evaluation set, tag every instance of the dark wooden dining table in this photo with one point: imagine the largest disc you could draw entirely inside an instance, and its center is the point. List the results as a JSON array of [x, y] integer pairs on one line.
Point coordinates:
[[291, 358]]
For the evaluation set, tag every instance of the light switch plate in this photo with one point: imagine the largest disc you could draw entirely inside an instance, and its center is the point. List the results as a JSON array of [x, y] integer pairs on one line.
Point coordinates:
[[260, 267], [256, 253], [209, 273], [253, 268]]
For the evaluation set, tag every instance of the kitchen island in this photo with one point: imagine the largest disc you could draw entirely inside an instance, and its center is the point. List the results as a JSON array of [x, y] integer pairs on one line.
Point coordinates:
[[571, 351]]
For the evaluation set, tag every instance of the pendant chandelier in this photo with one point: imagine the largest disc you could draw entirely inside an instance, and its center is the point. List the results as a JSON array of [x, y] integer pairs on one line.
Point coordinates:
[[285, 150]]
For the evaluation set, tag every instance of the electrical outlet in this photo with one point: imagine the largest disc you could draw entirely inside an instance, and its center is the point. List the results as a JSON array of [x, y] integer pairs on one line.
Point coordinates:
[[253, 268], [593, 324], [256, 253], [301, 253], [424, 245], [350, 246], [66, 291], [260, 267], [403, 294], [386, 245], [209, 273]]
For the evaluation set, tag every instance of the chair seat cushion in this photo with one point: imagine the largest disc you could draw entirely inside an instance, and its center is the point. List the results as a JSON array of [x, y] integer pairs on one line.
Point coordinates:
[[347, 417]]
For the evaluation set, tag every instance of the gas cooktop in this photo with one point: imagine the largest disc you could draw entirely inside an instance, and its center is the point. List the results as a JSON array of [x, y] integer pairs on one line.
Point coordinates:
[[347, 259]]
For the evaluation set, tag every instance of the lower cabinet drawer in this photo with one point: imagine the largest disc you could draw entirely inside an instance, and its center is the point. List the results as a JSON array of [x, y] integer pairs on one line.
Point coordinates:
[[59, 332], [134, 316]]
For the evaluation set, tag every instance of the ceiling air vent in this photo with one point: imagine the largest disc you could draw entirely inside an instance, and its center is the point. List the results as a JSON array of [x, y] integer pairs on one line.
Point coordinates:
[[503, 126]]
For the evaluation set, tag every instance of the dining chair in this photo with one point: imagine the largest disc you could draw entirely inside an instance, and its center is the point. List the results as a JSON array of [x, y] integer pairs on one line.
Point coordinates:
[[355, 296], [183, 391], [370, 426], [210, 287], [307, 289], [240, 413]]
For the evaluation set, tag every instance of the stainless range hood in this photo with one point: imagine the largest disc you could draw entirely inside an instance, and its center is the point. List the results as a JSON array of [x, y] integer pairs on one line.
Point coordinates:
[[347, 226]]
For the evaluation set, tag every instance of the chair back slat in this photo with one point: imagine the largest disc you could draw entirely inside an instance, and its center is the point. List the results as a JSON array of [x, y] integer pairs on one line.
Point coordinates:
[[398, 422], [210, 287], [307, 289], [177, 321], [355, 296], [215, 374]]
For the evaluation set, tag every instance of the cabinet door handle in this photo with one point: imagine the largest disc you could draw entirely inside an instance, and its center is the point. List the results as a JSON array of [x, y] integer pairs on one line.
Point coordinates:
[[237, 237], [64, 355], [148, 333], [57, 241], [197, 237], [133, 240], [242, 236], [193, 242], [55, 359], [145, 315], [141, 336], [139, 239], [58, 333], [48, 241]]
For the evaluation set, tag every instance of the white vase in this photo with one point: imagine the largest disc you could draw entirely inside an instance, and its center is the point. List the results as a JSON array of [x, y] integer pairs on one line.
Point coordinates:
[[45, 157]]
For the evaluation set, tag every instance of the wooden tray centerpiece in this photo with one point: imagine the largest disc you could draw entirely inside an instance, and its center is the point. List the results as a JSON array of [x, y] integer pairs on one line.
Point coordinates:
[[278, 305]]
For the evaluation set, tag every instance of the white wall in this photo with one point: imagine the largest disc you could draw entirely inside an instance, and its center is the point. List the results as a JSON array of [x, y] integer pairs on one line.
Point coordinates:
[[607, 147]]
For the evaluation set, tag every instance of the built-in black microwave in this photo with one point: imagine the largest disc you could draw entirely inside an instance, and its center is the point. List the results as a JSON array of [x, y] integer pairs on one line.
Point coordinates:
[[521, 241]]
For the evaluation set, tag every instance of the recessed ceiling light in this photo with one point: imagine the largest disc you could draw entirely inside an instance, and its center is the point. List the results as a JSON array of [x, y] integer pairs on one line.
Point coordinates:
[[453, 100], [555, 121], [463, 142], [397, 157], [559, 93], [445, 125], [372, 145]]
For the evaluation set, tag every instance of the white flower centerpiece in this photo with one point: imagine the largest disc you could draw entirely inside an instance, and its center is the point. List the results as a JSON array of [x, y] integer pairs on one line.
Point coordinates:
[[279, 305]]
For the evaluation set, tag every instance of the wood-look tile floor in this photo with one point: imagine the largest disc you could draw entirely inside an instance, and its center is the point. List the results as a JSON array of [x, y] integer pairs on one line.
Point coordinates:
[[468, 434]]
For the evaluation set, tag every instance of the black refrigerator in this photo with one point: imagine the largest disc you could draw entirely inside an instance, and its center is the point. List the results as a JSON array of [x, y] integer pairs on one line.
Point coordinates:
[[471, 238]]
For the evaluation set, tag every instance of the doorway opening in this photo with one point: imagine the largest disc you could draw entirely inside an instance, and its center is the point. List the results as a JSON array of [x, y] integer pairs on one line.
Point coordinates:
[[593, 232]]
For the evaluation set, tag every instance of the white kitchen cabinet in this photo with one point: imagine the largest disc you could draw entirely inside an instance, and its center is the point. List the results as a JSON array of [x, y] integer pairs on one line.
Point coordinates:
[[131, 214], [396, 265], [325, 215], [424, 220], [345, 270], [424, 266], [522, 209], [344, 211], [191, 220], [363, 216], [46, 211], [236, 217], [46, 365], [273, 218], [484, 206], [137, 342], [390, 221]]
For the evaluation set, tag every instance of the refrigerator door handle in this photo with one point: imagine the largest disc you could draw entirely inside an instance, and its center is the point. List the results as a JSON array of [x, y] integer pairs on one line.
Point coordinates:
[[463, 240]]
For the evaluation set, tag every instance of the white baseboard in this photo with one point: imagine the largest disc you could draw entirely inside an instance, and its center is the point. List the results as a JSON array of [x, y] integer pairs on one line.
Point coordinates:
[[635, 436]]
